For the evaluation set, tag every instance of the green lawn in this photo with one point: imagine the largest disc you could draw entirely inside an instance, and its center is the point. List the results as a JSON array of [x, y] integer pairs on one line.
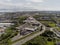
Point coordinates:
[[50, 23], [50, 43]]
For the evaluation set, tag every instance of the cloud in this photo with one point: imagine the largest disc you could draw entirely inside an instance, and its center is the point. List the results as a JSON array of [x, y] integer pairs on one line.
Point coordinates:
[[26, 5], [12, 4], [36, 0]]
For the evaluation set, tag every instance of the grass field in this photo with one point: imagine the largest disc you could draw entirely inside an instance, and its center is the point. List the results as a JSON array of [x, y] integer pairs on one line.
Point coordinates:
[[50, 43], [50, 23]]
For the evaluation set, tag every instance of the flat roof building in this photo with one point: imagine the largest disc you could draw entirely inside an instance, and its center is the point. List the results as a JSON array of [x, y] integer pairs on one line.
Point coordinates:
[[6, 24]]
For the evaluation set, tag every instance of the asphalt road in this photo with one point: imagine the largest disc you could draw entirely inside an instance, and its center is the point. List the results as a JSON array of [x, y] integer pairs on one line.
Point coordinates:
[[29, 37], [55, 31]]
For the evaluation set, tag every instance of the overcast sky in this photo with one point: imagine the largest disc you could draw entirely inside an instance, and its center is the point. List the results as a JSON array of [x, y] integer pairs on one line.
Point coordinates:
[[18, 5]]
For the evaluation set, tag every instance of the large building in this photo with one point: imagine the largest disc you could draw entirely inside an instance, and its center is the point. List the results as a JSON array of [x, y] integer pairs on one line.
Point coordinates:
[[30, 25]]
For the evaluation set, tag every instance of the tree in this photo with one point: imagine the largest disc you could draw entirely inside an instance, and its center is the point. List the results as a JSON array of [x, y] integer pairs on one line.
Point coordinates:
[[47, 34]]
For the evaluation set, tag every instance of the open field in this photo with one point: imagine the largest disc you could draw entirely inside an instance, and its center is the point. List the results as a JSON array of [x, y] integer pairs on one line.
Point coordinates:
[[50, 23]]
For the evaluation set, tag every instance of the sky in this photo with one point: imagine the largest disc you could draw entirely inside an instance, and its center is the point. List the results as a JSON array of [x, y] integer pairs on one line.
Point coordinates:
[[28, 5]]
